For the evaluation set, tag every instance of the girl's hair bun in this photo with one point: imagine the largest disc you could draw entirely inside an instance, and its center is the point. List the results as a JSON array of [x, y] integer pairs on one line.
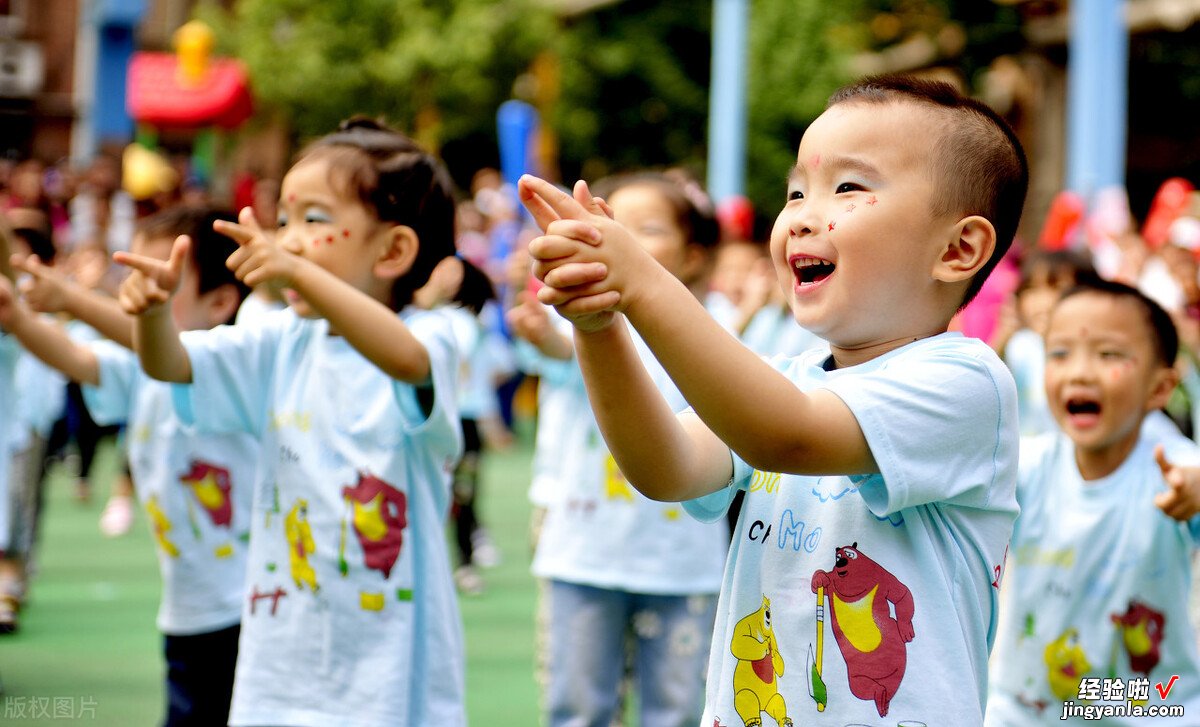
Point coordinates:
[[362, 121]]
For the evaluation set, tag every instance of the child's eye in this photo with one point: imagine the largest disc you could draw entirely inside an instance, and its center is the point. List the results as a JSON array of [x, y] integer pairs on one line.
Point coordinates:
[[281, 220], [848, 187], [1056, 353], [795, 194], [1111, 354], [316, 216]]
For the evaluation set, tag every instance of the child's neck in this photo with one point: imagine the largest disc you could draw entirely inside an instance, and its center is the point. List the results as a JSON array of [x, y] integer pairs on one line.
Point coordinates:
[[845, 356], [1094, 465]]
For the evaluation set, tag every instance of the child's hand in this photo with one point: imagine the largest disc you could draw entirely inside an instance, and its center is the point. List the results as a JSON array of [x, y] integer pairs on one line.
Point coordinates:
[[152, 281], [444, 282], [258, 259], [529, 319], [45, 290], [591, 265], [10, 305], [1181, 501]]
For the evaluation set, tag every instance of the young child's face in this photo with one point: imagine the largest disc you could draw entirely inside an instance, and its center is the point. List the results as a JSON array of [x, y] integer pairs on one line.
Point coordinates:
[[856, 243], [651, 220], [320, 222], [1102, 372]]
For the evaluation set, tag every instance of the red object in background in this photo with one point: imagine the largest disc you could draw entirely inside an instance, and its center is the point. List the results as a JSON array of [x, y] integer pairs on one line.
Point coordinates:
[[736, 217], [155, 96], [1169, 203], [1062, 222]]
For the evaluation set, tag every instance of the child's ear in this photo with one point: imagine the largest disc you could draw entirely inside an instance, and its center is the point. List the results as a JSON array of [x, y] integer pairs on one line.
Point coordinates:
[[398, 257], [1165, 381], [221, 303], [971, 245]]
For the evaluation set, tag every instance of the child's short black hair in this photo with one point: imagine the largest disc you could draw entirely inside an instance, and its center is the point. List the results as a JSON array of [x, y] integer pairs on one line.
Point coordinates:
[[401, 183], [476, 289], [692, 207], [35, 230], [978, 158], [210, 248], [1062, 269], [1161, 327]]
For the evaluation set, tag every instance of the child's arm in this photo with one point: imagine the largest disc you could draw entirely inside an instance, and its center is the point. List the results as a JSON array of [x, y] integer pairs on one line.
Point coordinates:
[[146, 294], [1181, 501], [46, 340], [370, 326], [6, 250], [747, 404], [47, 291]]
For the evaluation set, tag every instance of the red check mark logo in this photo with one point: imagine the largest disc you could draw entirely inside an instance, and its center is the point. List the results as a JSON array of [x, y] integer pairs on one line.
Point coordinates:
[[1164, 691]]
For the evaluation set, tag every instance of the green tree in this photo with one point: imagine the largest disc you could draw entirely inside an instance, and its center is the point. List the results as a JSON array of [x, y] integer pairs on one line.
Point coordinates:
[[439, 69]]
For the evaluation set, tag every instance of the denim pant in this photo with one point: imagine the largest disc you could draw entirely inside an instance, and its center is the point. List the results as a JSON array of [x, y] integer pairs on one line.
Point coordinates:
[[200, 677], [589, 632]]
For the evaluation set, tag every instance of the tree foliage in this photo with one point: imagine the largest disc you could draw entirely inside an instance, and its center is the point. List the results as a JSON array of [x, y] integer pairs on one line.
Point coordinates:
[[440, 68]]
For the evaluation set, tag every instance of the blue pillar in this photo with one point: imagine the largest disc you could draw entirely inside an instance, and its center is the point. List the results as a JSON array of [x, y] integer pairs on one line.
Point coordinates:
[[1097, 77], [116, 21], [727, 100]]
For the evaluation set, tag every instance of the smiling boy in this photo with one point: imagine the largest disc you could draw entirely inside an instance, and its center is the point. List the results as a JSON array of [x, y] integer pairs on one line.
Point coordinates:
[[1101, 552], [861, 583]]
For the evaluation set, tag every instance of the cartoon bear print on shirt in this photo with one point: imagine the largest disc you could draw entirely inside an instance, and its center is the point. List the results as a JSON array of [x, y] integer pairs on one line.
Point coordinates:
[[756, 676], [1141, 629], [872, 643]]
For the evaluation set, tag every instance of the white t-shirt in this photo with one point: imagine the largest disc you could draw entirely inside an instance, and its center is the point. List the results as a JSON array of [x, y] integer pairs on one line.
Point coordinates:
[[43, 394], [908, 560], [1098, 585], [195, 488], [350, 615], [602, 532]]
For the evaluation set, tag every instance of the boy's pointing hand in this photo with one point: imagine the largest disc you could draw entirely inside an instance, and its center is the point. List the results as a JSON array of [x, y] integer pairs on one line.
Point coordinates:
[[152, 281], [1181, 500]]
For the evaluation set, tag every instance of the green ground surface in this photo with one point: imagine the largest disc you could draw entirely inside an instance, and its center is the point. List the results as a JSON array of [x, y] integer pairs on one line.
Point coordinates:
[[88, 652]]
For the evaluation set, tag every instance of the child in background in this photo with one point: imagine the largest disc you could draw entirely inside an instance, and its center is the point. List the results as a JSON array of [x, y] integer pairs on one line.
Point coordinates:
[[622, 570], [40, 396], [465, 289], [1099, 566], [886, 540], [195, 487], [350, 616], [1045, 274]]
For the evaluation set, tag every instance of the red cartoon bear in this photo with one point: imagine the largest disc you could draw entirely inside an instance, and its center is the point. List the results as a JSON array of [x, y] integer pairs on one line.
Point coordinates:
[[211, 485], [871, 641], [1141, 630], [379, 514]]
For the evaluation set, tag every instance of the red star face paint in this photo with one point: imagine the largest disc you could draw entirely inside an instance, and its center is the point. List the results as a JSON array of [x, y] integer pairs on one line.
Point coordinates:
[[872, 201], [831, 226]]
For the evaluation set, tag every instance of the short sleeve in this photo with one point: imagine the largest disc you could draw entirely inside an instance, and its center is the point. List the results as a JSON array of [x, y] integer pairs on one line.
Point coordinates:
[[712, 507], [438, 424], [941, 425], [111, 400], [231, 375]]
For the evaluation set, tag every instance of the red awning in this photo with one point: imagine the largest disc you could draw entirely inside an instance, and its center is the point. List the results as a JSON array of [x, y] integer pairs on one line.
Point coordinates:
[[155, 95]]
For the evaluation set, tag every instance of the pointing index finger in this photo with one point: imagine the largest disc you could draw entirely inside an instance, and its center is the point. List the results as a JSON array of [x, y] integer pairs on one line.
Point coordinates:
[[1160, 456]]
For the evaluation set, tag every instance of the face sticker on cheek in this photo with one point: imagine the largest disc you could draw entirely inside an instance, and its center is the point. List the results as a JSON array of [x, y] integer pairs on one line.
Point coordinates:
[[850, 207], [345, 233], [832, 226], [872, 201], [329, 239], [317, 242]]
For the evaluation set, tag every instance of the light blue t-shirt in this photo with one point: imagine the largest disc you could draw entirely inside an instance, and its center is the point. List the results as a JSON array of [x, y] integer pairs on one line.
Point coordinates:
[[599, 531], [195, 488], [907, 561], [350, 616], [1025, 356], [1097, 587], [11, 433]]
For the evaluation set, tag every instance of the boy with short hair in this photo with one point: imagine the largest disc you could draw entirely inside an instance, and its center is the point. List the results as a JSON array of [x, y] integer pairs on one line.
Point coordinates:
[[862, 585], [196, 488], [1101, 553]]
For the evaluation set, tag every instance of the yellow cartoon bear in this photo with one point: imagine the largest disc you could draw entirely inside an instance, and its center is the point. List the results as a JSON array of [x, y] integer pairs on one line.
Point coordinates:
[[755, 678], [161, 525], [300, 543], [1065, 665]]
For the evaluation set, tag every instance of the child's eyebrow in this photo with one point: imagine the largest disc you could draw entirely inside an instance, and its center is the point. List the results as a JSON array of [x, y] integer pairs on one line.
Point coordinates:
[[854, 164]]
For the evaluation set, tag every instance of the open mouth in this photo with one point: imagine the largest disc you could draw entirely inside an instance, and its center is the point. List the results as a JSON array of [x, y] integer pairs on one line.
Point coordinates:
[[1083, 413], [811, 270], [1083, 407]]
